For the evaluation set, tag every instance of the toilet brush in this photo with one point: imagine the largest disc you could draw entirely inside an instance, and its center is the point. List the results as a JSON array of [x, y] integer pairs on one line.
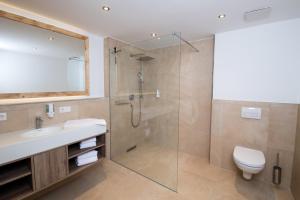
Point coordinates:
[[277, 172]]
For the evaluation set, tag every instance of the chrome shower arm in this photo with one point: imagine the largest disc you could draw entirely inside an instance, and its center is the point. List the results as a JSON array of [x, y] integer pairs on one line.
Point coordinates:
[[185, 41]]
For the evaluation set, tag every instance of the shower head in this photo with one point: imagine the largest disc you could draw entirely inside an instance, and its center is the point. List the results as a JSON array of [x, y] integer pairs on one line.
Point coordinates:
[[136, 55], [141, 57], [145, 58]]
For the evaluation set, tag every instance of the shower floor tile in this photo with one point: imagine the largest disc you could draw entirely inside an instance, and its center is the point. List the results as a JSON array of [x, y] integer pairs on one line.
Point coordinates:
[[153, 161]]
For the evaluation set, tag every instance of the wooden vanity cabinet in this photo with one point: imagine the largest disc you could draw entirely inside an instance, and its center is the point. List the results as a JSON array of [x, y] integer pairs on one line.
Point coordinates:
[[16, 179], [50, 167], [27, 176]]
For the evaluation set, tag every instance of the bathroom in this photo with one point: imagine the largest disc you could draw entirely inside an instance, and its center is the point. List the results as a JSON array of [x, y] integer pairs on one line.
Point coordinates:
[[187, 100]]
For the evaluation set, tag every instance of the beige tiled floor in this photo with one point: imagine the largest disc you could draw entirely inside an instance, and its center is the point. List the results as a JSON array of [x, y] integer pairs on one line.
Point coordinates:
[[153, 161], [197, 180]]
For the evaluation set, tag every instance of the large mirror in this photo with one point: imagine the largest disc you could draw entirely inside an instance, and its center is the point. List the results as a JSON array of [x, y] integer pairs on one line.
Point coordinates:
[[39, 60]]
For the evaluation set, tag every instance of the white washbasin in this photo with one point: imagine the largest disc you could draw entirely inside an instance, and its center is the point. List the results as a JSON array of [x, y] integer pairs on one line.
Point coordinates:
[[41, 132]]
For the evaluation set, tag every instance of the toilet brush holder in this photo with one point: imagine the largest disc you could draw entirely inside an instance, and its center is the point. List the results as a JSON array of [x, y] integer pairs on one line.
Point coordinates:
[[277, 172]]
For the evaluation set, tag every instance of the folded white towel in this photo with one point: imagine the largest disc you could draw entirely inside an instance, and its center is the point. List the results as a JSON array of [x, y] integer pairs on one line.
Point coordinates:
[[87, 145], [86, 161], [84, 122], [88, 155], [89, 140]]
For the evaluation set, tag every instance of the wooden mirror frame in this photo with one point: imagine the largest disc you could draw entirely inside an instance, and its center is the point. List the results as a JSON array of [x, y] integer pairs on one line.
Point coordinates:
[[49, 27]]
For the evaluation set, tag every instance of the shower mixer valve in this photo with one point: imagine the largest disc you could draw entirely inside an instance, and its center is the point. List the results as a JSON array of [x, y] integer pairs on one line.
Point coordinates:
[[131, 97]]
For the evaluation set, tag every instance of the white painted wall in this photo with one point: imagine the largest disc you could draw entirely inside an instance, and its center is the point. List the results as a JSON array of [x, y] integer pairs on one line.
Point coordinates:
[[96, 51], [261, 63]]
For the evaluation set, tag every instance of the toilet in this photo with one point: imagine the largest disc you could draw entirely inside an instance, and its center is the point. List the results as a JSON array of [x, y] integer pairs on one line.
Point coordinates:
[[250, 161]]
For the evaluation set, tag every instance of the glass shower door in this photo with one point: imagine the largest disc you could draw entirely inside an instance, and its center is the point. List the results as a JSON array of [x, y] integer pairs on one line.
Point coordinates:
[[144, 107]]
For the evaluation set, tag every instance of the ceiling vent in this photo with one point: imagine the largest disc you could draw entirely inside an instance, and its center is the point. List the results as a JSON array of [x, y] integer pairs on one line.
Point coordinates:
[[259, 14]]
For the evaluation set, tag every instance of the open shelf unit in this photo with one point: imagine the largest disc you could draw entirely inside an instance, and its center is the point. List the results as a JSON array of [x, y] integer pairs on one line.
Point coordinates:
[[16, 179], [74, 168], [74, 151]]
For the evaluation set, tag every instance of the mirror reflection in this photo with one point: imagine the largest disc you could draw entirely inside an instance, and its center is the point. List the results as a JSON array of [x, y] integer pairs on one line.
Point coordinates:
[[35, 60]]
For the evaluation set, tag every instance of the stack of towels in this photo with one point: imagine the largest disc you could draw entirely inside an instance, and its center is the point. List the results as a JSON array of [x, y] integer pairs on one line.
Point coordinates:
[[87, 158], [88, 143]]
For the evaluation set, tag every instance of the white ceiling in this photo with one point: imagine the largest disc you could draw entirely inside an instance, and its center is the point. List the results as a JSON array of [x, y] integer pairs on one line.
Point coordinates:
[[134, 20]]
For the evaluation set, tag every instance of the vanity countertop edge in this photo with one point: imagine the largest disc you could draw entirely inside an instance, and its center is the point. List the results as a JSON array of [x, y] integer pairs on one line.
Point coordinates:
[[28, 147]]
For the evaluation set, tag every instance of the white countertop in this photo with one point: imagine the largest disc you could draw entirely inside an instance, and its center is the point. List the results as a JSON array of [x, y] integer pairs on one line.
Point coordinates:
[[15, 145]]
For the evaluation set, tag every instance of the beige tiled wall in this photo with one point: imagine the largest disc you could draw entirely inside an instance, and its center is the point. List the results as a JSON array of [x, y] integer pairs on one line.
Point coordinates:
[[164, 74], [275, 132], [195, 98], [22, 116], [123, 83], [159, 122], [296, 167]]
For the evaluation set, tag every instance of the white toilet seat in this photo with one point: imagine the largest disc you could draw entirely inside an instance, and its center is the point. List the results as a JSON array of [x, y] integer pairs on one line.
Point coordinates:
[[249, 157], [249, 166], [250, 161]]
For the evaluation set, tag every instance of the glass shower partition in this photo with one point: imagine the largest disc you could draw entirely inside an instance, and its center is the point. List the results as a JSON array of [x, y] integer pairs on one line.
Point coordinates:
[[144, 108]]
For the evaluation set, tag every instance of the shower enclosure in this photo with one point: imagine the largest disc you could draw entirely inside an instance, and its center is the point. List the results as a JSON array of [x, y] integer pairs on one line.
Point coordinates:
[[144, 107]]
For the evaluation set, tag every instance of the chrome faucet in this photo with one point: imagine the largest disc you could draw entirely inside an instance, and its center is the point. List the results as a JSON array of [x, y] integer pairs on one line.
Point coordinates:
[[38, 122]]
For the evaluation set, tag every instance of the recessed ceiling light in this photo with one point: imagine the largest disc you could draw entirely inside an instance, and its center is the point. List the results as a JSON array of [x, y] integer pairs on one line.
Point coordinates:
[[51, 38], [222, 16], [105, 8], [158, 38], [153, 35]]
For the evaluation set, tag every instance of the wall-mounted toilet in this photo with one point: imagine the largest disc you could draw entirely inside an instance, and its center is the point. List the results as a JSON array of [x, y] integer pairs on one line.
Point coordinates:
[[250, 161]]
